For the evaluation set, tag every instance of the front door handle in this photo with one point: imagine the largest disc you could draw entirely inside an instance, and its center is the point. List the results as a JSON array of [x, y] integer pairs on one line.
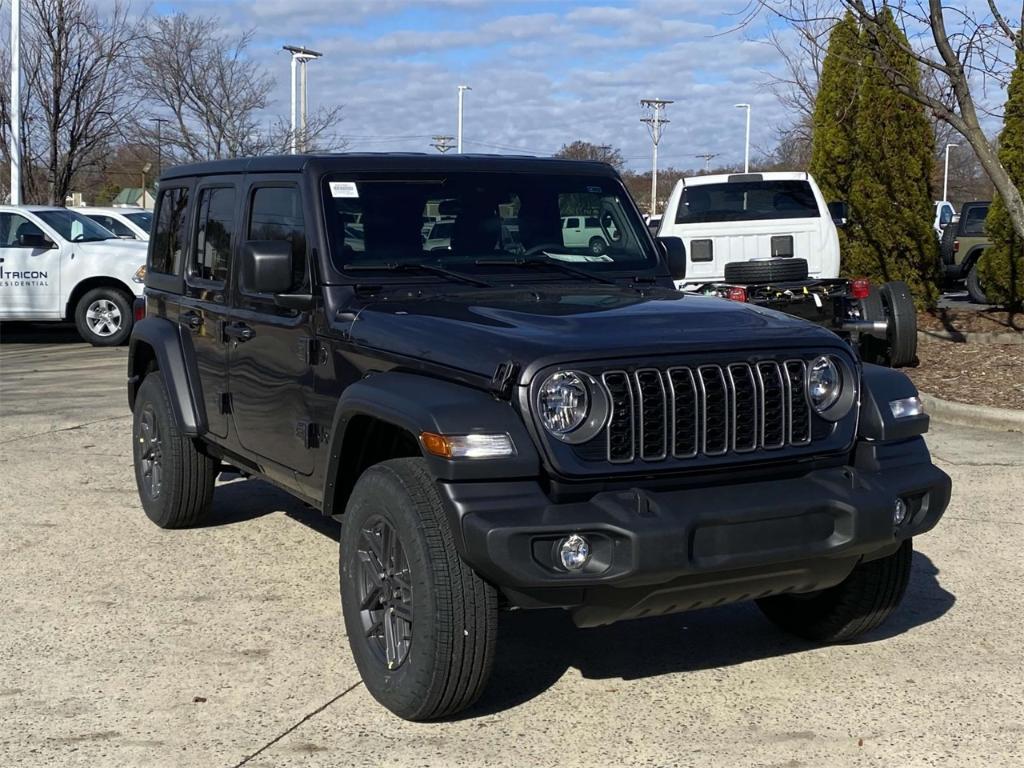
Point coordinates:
[[191, 320], [238, 332]]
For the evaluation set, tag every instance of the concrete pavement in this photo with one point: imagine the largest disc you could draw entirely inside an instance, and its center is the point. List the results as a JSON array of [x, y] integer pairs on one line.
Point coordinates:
[[125, 645]]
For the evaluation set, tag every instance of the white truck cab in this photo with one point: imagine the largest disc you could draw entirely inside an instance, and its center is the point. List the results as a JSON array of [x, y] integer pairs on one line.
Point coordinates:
[[769, 226], [56, 264], [126, 223]]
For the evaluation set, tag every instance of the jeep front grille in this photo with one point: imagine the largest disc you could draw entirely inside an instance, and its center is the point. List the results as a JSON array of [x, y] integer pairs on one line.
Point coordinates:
[[706, 410]]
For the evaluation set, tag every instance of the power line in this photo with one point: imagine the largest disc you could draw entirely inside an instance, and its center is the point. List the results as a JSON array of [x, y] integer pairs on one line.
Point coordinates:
[[441, 143], [708, 157], [654, 126]]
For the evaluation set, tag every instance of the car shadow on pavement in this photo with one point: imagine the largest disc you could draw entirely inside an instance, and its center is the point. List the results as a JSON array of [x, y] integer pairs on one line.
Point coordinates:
[[236, 500], [39, 333], [536, 648]]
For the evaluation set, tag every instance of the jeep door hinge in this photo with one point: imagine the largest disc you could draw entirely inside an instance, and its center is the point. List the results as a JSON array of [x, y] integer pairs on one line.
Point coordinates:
[[504, 379], [311, 435], [225, 402], [311, 351]]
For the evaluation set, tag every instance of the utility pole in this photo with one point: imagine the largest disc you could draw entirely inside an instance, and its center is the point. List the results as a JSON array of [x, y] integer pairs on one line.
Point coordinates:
[[462, 92], [15, 102], [746, 144], [654, 123], [945, 173], [441, 143], [707, 156], [300, 56]]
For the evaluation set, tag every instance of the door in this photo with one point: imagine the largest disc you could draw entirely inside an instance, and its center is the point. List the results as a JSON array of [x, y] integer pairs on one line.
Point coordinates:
[[270, 373], [204, 305], [30, 262], [572, 234]]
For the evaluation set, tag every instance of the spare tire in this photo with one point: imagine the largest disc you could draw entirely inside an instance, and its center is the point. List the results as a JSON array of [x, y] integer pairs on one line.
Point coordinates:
[[775, 270], [902, 333]]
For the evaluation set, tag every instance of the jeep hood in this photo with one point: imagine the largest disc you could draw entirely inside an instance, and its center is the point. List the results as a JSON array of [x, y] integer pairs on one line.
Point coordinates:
[[475, 331]]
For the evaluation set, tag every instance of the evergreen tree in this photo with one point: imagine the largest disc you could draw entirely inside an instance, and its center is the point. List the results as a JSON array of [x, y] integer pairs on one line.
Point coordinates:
[[891, 198], [1001, 268]]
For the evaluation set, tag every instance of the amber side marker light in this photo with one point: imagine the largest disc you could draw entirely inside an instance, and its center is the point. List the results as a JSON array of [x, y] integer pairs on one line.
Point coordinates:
[[467, 446]]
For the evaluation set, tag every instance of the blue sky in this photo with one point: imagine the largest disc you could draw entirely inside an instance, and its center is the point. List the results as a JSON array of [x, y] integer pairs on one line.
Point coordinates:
[[543, 73]]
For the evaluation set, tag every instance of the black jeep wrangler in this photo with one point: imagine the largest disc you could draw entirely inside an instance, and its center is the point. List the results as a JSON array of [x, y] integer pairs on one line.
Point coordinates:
[[508, 420]]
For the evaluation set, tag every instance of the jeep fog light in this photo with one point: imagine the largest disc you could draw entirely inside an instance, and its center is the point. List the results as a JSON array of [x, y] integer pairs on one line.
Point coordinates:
[[468, 446], [574, 552], [899, 512], [906, 407]]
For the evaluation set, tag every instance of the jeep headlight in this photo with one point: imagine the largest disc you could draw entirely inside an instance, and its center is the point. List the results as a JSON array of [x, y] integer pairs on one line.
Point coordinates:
[[571, 406], [830, 387]]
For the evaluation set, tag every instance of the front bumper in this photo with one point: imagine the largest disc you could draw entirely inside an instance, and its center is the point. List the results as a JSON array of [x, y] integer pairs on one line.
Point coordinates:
[[655, 551]]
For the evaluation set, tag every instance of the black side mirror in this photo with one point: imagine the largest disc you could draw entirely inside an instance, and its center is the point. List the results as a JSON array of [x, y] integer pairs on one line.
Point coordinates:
[[35, 240], [267, 266], [840, 213], [675, 256]]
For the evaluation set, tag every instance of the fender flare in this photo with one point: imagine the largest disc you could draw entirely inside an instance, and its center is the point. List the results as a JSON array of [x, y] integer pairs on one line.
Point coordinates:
[[177, 370], [418, 404], [880, 386], [971, 259]]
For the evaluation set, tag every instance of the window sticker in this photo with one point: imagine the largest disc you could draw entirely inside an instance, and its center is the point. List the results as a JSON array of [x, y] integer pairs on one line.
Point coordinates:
[[344, 189]]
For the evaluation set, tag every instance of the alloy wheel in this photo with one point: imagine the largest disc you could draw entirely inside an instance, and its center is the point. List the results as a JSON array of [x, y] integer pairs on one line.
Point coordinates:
[[103, 317], [385, 592]]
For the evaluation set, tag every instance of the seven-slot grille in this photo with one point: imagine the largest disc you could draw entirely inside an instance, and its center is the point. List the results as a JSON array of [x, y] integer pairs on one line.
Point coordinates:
[[708, 410]]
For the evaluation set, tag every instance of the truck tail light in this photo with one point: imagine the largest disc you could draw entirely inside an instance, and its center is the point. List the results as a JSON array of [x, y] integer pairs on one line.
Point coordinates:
[[736, 293], [139, 309], [956, 246], [860, 288]]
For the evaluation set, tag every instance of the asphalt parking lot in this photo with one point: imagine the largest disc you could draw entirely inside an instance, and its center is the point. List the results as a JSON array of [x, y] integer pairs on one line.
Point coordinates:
[[125, 645]]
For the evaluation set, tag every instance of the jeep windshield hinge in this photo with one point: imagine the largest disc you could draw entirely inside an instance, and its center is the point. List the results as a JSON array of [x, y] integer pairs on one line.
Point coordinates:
[[311, 351], [504, 379]]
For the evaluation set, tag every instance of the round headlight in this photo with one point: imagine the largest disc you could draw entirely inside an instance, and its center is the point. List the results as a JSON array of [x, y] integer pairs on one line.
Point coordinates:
[[563, 401], [824, 384]]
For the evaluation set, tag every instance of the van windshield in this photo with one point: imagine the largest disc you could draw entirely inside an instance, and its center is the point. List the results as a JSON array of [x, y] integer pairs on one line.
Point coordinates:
[[476, 222], [747, 201], [75, 227]]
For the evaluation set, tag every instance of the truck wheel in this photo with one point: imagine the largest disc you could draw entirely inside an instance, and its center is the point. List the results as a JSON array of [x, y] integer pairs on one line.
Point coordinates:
[[104, 317], [902, 334], [974, 287], [861, 602], [774, 270], [597, 246], [872, 348], [175, 480], [421, 624]]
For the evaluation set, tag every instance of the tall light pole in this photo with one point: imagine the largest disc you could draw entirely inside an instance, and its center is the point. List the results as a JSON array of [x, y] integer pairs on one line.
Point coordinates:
[[159, 144], [458, 140], [945, 173], [15, 102], [746, 143], [300, 56], [654, 123]]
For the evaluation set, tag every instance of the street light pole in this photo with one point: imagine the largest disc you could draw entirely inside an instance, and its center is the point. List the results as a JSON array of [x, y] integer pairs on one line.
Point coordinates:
[[945, 173], [159, 145], [15, 102], [300, 56], [458, 140], [746, 143]]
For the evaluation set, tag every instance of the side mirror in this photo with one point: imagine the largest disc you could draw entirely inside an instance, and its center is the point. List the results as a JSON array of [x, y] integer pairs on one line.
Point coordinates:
[[267, 266], [675, 256], [35, 240], [840, 213]]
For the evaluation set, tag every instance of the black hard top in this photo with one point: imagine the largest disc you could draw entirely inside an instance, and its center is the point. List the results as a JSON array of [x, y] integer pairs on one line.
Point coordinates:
[[389, 161]]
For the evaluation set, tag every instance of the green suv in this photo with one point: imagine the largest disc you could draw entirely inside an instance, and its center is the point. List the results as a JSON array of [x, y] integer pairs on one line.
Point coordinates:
[[963, 243]]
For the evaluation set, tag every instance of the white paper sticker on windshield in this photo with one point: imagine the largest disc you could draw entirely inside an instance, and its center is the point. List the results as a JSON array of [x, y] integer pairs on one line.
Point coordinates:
[[344, 189]]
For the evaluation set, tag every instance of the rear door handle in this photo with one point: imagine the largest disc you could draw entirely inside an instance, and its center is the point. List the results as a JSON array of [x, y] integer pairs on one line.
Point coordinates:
[[191, 320], [238, 332]]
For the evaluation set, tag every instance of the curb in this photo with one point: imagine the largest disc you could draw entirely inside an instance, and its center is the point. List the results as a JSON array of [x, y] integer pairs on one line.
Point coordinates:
[[983, 416], [971, 338]]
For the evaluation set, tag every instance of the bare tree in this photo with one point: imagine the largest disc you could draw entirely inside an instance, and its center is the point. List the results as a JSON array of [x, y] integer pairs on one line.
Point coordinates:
[[584, 150], [960, 52]]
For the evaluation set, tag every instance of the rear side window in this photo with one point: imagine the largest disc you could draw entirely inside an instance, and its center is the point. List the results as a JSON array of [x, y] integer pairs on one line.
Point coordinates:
[[169, 235], [276, 214], [211, 258], [747, 201], [115, 226]]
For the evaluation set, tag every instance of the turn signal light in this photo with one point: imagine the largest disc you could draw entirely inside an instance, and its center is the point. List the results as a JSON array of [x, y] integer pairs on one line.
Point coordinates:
[[736, 293], [860, 288], [467, 446]]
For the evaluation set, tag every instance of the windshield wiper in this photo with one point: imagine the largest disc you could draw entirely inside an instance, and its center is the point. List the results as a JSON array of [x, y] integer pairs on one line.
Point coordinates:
[[431, 269], [545, 261]]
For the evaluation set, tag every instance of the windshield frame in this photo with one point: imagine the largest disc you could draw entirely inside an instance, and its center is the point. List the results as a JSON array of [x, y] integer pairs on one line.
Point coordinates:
[[649, 266], [51, 216]]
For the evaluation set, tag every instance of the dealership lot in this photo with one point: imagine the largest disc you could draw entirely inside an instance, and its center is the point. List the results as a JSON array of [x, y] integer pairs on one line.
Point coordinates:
[[121, 644]]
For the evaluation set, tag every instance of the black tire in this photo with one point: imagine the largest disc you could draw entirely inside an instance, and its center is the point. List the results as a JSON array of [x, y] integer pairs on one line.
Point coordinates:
[[974, 287], [946, 252], [104, 317], [902, 333], [443, 614], [873, 348], [175, 480], [774, 270], [598, 246], [858, 604]]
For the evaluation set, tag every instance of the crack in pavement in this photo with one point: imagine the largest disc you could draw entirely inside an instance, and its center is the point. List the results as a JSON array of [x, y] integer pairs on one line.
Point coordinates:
[[62, 429], [308, 717]]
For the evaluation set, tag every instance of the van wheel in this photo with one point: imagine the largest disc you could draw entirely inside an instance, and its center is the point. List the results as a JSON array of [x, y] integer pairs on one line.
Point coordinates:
[[175, 480], [422, 625], [858, 604], [597, 246], [104, 317], [974, 287]]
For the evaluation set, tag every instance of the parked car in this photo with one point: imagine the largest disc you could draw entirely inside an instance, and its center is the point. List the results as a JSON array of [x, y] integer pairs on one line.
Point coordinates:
[[963, 243], [653, 223], [126, 223], [56, 264], [511, 429], [439, 237], [587, 232], [944, 213]]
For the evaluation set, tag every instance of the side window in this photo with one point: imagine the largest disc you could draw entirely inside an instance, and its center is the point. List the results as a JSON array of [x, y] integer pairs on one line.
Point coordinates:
[[572, 223], [115, 226], [13, 227], [169, 231], [276, 214], [215, 223]]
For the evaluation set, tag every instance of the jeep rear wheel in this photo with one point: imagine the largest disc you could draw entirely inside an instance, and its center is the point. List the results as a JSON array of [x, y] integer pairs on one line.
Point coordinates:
[[858, 604], [421, 624], [974, 287], [175, 480]]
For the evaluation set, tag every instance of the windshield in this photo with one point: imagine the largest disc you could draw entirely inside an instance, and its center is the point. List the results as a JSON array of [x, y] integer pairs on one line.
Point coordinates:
[[75, 227], [474, 221], [747, 201], [142, 219]]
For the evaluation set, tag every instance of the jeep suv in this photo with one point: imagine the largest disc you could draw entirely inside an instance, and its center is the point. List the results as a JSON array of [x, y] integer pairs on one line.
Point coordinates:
[[963, 242], [510, 423]]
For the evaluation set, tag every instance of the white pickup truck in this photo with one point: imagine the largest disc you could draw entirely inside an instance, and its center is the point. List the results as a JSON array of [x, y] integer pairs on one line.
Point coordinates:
[[56, 264]]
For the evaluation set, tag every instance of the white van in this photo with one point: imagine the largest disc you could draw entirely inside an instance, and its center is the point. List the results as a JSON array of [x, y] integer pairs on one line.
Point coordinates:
[[56, 264], [753, 228]]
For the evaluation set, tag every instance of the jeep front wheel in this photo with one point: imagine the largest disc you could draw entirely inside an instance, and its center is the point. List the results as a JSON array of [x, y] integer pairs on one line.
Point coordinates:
[[422, 625], [103, 317]]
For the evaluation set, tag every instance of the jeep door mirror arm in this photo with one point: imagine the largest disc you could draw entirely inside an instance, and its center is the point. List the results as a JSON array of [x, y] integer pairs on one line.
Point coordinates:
[[674, 252]]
